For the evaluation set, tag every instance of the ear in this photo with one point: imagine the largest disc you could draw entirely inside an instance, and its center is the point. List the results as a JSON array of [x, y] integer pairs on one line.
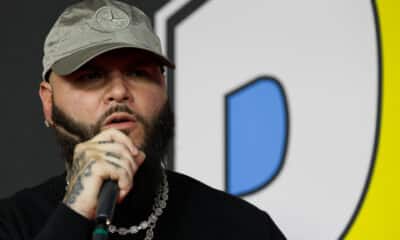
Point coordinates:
[[46, 96]]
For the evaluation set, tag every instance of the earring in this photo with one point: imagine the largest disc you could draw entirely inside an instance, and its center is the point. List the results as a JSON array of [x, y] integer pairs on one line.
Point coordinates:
[[46, 123], [163, 164]]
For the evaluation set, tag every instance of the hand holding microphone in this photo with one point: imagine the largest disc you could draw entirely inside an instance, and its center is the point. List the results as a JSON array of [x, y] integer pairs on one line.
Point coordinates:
[[108, 156]]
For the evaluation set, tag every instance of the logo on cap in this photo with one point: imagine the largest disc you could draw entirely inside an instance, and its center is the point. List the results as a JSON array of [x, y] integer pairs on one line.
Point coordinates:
[[110, 19]]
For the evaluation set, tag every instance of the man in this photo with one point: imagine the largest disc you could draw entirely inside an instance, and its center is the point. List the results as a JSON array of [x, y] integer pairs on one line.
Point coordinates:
[[104, 94]]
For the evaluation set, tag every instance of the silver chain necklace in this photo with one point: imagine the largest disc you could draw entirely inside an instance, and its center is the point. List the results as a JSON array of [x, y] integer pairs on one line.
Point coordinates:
[[160, 203]]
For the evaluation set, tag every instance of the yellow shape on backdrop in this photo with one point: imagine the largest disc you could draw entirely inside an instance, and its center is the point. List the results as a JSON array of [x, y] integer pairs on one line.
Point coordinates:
[[378, 218]]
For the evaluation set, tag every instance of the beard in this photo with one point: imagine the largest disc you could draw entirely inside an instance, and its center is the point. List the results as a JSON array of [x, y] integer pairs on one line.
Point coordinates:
[[157, 135]]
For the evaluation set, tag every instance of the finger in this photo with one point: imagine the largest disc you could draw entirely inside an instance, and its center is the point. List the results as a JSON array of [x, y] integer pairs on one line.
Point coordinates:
[[117, 136], [118, 150], [114, 147], [118, 161], [111, 146], [115, 152], [133, 161], [115, 171], [139, 158]]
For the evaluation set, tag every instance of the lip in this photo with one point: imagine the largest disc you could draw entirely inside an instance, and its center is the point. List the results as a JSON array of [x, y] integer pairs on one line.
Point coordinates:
[[128, 121]]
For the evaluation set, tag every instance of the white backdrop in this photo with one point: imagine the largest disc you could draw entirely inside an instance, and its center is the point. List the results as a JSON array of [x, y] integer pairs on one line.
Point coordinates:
[[324, 53]]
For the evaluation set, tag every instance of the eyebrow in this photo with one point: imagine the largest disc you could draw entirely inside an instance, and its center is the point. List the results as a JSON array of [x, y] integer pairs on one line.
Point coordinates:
[[89, 67], [141, 62]]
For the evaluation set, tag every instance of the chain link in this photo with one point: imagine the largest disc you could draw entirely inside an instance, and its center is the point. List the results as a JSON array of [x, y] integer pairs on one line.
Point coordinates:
[[160, 202]]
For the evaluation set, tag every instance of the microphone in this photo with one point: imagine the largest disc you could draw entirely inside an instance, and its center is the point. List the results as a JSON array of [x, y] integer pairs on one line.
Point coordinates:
[[105, 209]]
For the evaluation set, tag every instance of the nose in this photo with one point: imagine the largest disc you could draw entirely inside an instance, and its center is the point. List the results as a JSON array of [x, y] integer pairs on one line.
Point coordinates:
[[117, 89]]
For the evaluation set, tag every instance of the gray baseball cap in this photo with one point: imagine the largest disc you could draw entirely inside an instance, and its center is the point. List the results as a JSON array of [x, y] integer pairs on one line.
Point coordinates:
[[92, 27]]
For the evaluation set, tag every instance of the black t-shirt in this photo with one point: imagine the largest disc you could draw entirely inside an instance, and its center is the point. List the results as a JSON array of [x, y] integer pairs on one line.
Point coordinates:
[[194, 211]]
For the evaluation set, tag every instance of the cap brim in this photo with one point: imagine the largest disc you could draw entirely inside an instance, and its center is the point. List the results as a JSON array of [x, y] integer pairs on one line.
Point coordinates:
[[74, 61]]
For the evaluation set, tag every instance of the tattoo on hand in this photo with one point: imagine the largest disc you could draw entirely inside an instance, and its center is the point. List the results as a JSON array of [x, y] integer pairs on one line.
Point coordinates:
[[105, 142], [114, 164], [76, 166], [77, 187], [114, 155]]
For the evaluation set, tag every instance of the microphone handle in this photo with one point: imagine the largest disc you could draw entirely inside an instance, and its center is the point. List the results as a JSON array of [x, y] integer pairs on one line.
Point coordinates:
[[105, 208]]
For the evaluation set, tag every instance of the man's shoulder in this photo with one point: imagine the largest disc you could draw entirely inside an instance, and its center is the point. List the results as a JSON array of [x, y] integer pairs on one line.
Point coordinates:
[[217, 211], [205, 195], [46, 194]]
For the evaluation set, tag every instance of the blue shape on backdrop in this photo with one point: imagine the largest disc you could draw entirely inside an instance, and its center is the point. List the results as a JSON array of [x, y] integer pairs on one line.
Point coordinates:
[[257, 132]]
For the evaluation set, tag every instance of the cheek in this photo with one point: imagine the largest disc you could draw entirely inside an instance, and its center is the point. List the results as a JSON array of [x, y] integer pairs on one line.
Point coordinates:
[[78, 106], [138, 137], [151, 102]]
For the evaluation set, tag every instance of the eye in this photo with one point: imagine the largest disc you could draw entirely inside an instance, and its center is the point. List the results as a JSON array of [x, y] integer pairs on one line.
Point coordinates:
[[142, 75], [139, 73], [90, 76], [145, 73]]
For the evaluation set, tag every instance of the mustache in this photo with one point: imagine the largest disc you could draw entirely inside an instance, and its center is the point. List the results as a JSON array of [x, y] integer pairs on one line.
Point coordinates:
[[77, 130], [158, 131], [121, 108]]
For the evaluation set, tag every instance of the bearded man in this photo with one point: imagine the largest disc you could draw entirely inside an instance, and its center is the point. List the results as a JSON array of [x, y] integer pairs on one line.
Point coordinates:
[[104, 95]]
